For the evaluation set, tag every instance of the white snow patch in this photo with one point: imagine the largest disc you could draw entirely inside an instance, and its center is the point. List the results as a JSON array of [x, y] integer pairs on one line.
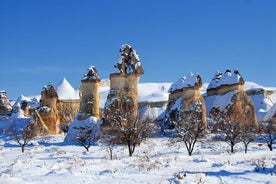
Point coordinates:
[[219, 101], [73, 131], [185, 81], [65, 91], [270, 113]]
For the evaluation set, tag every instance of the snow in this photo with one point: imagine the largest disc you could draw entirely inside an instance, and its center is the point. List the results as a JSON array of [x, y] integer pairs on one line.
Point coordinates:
[[270, 113], [228, 78], [48, 159], [153, 92], [185, 81], [66, 92], [33, 101], [219, 101], [147, 92], [152, 112], [73, 131]]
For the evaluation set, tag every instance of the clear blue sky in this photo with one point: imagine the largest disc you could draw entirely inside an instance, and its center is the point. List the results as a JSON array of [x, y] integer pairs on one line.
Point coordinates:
[[42, 41]]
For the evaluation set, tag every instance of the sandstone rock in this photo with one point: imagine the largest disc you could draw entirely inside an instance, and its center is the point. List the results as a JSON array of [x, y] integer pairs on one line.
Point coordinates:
[[90, 99], [123, 95], [226, 94]]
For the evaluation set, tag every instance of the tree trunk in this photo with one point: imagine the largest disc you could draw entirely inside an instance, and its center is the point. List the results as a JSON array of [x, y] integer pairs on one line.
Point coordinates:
[[232, 147], [22, 148], [245, 148], [110, 153], [131, 148], [269, 146], [87, 148]]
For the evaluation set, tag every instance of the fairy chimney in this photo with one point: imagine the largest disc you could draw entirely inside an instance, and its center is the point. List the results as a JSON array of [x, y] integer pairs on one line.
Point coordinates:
[[184, 94], [226, 94], [48, 112], [124, 83], [90, 99]]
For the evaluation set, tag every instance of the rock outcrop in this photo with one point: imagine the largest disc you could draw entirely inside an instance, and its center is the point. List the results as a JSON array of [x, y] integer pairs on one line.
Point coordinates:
[[263, 99], [184, 94], [226, 94], [5, 106], [48, 113], [123, 94]]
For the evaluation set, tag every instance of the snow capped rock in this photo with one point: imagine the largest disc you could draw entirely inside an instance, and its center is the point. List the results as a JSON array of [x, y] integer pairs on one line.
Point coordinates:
[[191, 80], [92, 74], [65, 91], [214, 82], [228, 78]]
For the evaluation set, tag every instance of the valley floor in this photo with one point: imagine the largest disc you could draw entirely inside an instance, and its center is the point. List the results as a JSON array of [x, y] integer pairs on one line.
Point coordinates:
[[50, 160]]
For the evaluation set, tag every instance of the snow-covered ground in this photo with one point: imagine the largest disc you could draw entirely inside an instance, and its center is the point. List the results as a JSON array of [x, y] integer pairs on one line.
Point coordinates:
[[49, 159]]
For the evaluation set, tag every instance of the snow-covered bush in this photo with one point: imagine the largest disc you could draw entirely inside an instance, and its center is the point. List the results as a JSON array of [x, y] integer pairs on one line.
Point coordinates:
[[84, 132]]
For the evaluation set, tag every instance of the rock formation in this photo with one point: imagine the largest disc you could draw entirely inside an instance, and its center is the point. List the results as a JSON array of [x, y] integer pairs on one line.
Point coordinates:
[[263, 99], [5, 106], [123, 95], [90, 99], [184, 94], [226, 94]]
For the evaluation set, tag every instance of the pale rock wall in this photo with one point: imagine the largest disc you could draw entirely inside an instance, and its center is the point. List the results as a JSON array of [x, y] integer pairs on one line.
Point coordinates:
[[67, 110]]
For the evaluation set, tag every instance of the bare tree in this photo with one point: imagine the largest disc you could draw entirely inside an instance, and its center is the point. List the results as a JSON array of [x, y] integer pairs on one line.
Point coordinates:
[[233, 129], [268, 132], [190, 126], [86, 136], [230, 130], [248, 134], [109, 141], [23, 132], [125, 123]]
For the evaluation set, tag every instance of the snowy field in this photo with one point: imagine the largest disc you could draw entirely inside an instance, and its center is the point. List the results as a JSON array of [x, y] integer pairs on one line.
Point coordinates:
[[49, 160]]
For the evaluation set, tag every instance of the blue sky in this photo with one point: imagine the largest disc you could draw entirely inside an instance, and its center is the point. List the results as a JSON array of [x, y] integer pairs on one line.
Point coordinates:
[[46, 40]]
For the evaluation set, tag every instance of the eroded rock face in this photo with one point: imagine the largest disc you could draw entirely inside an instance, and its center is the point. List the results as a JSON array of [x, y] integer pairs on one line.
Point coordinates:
[[67, 110], [184, 94], [5, 106]]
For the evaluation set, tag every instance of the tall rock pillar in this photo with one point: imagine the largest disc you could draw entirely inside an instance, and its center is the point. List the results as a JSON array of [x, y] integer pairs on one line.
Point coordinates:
[[123, 95], [48, 113], [90, 99]]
